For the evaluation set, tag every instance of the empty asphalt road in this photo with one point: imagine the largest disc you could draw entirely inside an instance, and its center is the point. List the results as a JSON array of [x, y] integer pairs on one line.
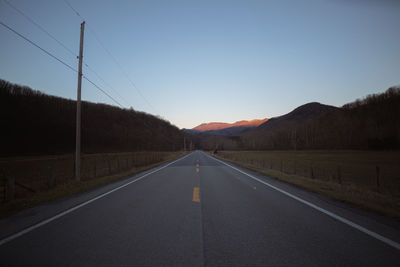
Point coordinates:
[[198, 211]]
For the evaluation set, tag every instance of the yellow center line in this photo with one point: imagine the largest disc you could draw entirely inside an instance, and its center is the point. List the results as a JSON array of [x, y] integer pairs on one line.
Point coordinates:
[[196, 194], [197, 169]]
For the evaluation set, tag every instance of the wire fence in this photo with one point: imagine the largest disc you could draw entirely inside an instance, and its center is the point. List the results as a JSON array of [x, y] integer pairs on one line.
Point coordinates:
[[368, 171], [20, 178]]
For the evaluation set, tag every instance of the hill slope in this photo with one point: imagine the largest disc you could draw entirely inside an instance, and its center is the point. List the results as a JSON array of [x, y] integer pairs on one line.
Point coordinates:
[[34, 123], [300, 114], [221, 128], [370, 123]]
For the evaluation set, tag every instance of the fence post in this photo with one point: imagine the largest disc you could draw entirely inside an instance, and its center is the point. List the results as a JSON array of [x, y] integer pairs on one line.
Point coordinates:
[[312, 171], [95, 168], [378, 177], [339, 174], [295, 167], [10, 189], [50, 177], [3, 186]]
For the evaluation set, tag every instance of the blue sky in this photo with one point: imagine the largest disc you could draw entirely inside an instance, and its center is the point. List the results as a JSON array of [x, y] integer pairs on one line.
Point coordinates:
[[202, 61]]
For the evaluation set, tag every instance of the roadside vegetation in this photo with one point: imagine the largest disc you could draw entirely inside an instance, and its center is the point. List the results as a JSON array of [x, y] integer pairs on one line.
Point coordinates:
[[368, 179], [37, 143], [29, 181]]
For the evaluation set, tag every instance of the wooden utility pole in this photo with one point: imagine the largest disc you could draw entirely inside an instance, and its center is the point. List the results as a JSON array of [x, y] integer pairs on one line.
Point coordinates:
[[78, 111]]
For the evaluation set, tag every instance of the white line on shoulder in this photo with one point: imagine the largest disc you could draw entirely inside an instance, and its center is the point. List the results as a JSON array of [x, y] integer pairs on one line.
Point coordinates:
[[331, 214], [33, 227]]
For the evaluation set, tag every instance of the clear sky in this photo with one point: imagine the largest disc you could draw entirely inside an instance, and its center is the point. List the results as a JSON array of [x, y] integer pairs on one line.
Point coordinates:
[[202, 61]]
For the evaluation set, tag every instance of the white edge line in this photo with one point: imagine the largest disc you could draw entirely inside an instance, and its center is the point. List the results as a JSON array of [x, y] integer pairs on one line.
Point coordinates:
[[331, 214], [33, 227]]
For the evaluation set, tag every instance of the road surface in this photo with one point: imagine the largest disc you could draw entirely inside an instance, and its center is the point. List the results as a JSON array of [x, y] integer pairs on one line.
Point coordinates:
[[198, 211]]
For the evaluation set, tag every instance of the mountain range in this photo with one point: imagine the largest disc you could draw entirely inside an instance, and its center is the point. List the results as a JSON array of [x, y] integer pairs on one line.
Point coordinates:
[[298, 115], [368, 123], [222, 128]]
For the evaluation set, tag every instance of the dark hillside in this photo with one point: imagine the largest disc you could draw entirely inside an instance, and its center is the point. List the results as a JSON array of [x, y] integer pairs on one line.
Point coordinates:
[[371, 123], [34, 123], [231, 131], [300, 114], [368, 124]]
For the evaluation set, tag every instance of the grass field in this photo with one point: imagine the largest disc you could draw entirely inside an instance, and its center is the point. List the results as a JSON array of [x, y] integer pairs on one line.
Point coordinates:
[[39, 179], [369, 179]]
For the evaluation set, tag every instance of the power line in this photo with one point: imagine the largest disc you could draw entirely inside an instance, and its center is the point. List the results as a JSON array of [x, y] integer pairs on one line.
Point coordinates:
[[32, 43], [148, 127], [40, 27], [73, 9], [59, 60], [105, 82], [67, 65], [120, 67], [104, 92], [73, 69], [60, 43], [113, 58]]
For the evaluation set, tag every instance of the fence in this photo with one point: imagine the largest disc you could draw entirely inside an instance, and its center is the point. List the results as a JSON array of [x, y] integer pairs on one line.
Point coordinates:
[[370, 171], [20, 178]]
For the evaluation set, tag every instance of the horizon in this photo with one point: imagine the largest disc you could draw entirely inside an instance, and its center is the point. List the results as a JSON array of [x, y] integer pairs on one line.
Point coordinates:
[[194, 63], [232, 122]]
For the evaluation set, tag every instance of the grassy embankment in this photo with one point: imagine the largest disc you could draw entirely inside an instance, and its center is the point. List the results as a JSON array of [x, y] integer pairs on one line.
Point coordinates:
[[368, 179], [40, 179]]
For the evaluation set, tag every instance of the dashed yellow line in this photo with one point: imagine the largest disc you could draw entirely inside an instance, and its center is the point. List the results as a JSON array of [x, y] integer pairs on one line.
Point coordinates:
[[196, 194]]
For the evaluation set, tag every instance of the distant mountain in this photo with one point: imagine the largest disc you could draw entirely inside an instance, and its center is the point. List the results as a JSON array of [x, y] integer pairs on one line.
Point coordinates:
[[221, 128], [369, 123]]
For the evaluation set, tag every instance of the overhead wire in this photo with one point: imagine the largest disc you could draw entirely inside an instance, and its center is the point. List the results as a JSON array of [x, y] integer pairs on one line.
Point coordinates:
[[40, 27], [71, 52], [59, 60], [105, 82], [64, 46], [112, 57], [34, 44], [104, 92], [120, 67], [73, 9]]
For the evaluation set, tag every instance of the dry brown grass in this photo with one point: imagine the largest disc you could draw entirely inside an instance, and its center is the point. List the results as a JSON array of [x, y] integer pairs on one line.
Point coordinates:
[[348, 176]]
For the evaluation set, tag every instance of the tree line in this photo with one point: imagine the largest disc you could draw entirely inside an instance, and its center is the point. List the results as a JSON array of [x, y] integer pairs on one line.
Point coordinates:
[[369, 123], [34, 123]]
